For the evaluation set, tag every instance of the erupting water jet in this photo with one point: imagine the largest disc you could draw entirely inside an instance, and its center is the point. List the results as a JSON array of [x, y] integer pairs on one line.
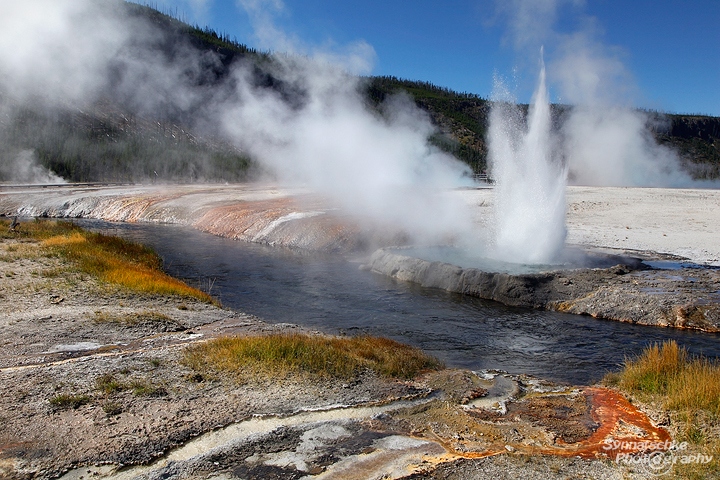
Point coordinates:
[[530, 190], [528, 233]]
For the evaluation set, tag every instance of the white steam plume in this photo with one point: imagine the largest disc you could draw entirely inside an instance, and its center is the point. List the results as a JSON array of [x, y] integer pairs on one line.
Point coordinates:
[[606, 141], [52, 52], [24, 167], [57, 50], [373, 164], [357, 57], [315, 128], [66, 55], [530, 191], [71, 53], [530, 23]]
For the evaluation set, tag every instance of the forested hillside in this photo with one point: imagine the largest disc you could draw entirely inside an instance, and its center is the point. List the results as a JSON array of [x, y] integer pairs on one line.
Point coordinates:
[[462, 120], [118, 138], [696, 139]]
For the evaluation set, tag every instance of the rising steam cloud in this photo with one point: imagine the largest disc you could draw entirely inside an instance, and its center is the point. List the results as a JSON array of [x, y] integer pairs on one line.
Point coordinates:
[[605, 142], [530, 191], [321, 134], [376, 164], [53, 52]]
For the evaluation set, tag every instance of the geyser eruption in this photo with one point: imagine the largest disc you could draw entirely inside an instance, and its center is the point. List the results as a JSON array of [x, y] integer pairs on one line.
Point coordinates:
[[530, 191]]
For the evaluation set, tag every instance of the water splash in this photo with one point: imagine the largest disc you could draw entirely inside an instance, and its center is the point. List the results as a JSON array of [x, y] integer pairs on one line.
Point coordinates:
[[530, 191]]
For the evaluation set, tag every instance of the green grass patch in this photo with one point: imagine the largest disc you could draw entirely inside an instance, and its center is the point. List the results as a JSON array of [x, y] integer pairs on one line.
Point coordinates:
[[108, 384], [51, 272], [134, 318], [112, 408], [144, 388], [155, 362], [66, 401], [341, 357], [110, 259]]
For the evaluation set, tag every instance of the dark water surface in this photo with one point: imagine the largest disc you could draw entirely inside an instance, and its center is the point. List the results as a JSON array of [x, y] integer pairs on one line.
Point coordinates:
[[332, 294]]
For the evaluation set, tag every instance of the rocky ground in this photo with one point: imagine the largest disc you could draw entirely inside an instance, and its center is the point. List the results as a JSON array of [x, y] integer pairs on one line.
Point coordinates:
[[94, 387]]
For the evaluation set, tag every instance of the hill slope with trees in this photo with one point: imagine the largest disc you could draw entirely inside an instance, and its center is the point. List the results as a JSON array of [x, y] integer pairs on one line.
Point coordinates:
[[116, 139]]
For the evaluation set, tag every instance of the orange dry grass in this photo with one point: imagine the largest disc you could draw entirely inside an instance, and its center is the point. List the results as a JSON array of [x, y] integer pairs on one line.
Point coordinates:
[[688, 386], [698, 386], [654, 370], [684, 382], [342, 357], [118, 261]]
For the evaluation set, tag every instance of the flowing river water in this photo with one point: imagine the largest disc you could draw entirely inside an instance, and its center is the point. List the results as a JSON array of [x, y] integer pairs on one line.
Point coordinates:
[[332, 294]]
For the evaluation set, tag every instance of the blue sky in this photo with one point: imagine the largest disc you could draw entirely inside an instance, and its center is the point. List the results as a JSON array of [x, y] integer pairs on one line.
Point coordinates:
[[660, 54]]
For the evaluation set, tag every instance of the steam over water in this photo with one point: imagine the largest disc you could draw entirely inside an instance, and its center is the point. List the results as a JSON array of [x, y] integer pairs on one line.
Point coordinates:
[[330, 294], [530, 191]]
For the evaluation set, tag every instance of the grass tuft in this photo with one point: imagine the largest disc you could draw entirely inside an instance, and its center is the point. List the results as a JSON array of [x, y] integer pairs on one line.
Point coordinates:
[[689, 387], [65, 401], [111, 259], [108, 384], [343, 357], [668, 371], [134, 318], [143, 388], [112, 408], [653, 371], [697, 386]]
